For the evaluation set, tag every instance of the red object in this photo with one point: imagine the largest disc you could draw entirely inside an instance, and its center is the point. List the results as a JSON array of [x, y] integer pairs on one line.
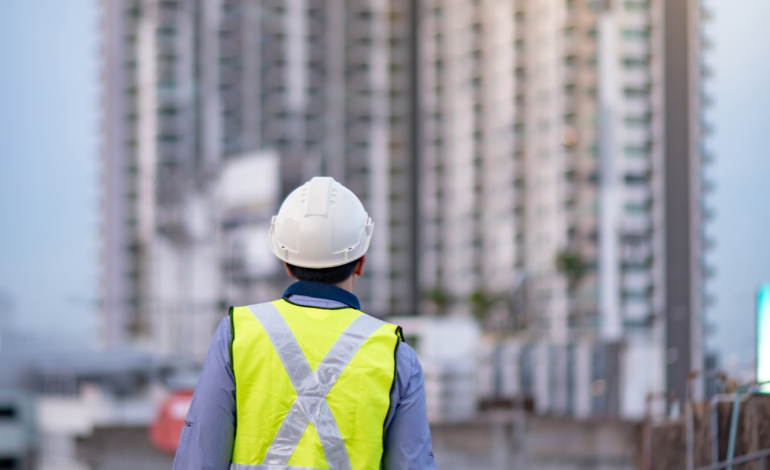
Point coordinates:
[[166, 430]]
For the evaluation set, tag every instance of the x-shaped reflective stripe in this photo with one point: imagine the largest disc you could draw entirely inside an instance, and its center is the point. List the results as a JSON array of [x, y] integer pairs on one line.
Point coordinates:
[[312, 388]]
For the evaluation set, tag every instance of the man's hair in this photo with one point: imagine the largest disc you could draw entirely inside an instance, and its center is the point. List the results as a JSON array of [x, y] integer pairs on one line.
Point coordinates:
[[333, 275]]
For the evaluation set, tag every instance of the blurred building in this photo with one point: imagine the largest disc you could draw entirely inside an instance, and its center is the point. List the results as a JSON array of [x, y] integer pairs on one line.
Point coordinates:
[[248, 195], [17, 433], [326, 84], [562, 188], [160, 157], [191, 86], [537, 164]]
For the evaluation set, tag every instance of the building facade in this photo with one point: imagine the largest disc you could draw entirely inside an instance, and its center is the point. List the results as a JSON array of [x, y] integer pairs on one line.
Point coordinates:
[[562, 198], [160, 155], [190, 86], [534, 163]]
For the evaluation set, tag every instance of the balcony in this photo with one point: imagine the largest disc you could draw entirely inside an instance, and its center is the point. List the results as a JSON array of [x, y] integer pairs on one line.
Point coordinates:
[[637, 281], [358, 30], [638, 194], [636, 48], [637, 311], [637, 167], [707, 271], [636, 78], [637, 106], [637, 136], [636, 224], [636, 20]]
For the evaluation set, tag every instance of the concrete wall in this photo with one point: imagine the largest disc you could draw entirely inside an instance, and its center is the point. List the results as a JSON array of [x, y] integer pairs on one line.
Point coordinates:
[[506, 440]]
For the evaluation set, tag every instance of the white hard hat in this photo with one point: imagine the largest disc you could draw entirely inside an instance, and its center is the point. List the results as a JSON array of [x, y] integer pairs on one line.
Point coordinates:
[[321, 224]]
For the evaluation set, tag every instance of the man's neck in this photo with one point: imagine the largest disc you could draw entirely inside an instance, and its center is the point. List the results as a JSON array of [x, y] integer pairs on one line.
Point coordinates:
[[347, 284]]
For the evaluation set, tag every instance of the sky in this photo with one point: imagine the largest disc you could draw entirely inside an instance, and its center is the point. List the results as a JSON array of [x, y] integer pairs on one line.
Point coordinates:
[[49, 169], [741, 172]]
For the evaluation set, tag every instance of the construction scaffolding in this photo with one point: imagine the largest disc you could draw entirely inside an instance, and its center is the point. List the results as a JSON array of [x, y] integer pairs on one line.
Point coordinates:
[[731, 431]]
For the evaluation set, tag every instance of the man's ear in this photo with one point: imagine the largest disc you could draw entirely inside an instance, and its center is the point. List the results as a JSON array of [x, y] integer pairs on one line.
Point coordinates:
[[360, 266], [288, 270]]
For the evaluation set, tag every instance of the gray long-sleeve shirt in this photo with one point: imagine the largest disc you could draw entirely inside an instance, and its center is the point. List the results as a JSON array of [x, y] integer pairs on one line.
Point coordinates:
[[207, 438]]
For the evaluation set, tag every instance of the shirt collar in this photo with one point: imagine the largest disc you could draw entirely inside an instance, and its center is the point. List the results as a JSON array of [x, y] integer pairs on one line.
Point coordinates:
[[322, 291]]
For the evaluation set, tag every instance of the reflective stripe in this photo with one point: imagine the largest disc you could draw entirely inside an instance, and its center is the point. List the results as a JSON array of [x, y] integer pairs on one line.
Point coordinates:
[[243, 466], [311, 388], [315, 302]]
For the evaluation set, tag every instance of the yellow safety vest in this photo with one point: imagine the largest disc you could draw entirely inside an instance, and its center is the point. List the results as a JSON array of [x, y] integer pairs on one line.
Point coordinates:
[[312, 387]]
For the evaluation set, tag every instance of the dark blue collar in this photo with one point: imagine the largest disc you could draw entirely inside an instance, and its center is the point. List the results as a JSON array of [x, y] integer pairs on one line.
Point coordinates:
[[322, 291]]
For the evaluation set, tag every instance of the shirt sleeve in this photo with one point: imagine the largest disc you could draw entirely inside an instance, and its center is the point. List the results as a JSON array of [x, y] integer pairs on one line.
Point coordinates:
[[407, 437], [208, 435]]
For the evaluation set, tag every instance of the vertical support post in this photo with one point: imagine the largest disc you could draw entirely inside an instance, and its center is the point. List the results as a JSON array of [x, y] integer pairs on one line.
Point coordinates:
[[647, 445], [714, 431], [688, 413], [733, 428]]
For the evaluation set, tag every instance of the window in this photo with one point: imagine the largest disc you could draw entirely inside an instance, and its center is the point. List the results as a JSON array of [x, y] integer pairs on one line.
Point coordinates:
[[166, 32], [635, 34], [636, 121], [636, 151], [635, 179], [635, 297], [636, 5], [635, 62], [634, 93], [636, 208], [7, 412]]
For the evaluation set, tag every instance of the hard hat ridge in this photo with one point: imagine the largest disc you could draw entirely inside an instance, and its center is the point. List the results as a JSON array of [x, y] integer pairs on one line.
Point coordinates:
[[321, 224]]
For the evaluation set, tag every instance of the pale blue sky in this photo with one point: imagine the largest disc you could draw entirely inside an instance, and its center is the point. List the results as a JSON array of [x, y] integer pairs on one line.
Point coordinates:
[[49, 166], [741, 86]]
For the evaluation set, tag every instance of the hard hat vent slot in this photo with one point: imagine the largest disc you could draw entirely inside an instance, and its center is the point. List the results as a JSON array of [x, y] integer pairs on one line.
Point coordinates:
[[318, 195]]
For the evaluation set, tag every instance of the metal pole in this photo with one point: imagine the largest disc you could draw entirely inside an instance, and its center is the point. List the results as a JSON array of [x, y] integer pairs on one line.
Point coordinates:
[[714, 430], [762, 454], [733, 428], [689, 423], [647, 436], [689, 420]]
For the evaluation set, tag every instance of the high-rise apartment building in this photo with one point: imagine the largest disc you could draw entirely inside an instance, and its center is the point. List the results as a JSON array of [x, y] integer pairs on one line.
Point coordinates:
[[160, 156], [467, 167], [190, 85], [561, 189], [534, 162], [326, 84]]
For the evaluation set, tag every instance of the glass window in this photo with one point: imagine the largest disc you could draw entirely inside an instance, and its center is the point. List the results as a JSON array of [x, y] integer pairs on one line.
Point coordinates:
[[635, 62], [635, 297], [635, 151], [635, 34], [636, 121], [636, 5], [636, 208]]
